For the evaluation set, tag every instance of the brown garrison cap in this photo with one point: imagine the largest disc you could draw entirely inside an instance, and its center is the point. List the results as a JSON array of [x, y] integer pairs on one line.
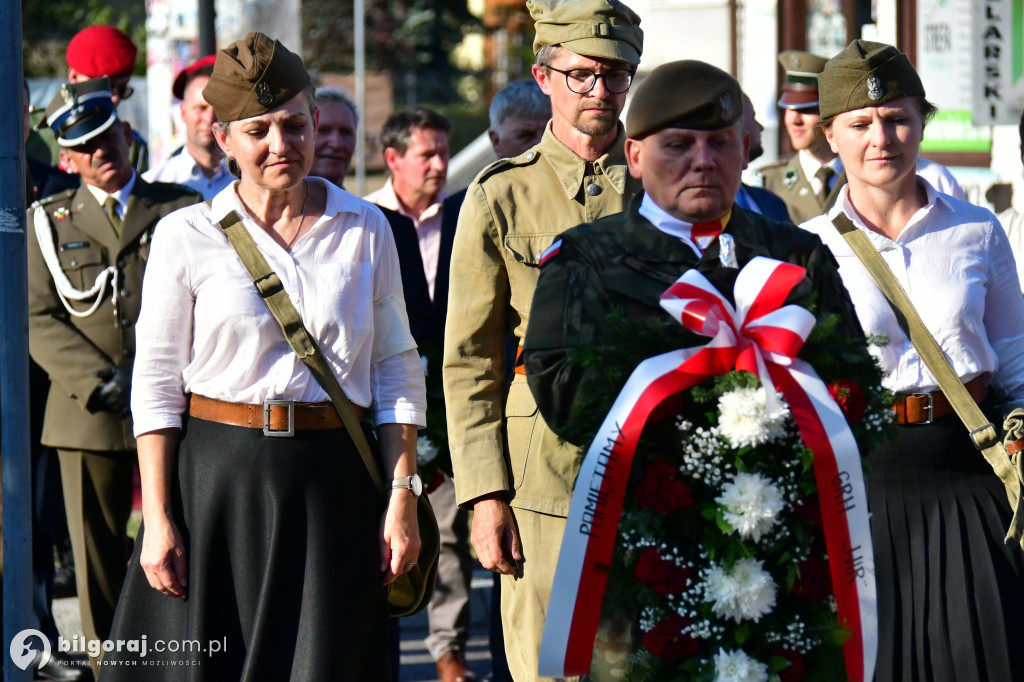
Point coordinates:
[[800, 85], [866, 74], [686, 94], [593, 28], [252, 76]]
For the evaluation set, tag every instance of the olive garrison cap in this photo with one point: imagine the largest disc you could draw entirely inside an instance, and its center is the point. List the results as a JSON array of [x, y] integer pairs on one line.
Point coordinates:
[[800, 84], [866, 74], [80, 112], [604, 29], [686, 94], [252, 76]]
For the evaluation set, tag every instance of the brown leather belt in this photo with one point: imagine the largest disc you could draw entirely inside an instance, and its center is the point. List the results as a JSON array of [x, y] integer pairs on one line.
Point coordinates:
[[923, 408], [275, 417]]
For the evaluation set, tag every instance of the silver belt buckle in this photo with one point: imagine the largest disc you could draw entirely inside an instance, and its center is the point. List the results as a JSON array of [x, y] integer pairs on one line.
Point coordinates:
[[929, 408], [287, 433]]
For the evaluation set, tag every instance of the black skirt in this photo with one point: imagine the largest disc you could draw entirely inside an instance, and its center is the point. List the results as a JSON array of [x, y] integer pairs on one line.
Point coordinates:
[[283, 566], [950, 592]]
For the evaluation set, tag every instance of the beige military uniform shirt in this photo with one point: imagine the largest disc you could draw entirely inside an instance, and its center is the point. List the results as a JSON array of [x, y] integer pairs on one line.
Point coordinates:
[[788, 181], [512, 213]]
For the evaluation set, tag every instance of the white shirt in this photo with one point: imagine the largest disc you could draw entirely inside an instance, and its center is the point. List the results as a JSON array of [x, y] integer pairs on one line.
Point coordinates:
[[955, 264], [939, 177], [669, 224], [185, 170], [204, 329], [428, 227], [122, 195], [810, 166], [1013, 224]]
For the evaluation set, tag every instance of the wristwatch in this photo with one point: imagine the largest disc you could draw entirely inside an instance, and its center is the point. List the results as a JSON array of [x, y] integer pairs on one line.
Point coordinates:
[[412, 483]]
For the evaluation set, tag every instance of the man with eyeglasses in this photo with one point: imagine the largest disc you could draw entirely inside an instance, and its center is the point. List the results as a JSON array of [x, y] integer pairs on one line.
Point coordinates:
[[100, 50], [510, 468]]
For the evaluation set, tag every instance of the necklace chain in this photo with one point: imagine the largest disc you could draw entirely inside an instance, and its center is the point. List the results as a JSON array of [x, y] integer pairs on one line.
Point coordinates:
[[302, 217]]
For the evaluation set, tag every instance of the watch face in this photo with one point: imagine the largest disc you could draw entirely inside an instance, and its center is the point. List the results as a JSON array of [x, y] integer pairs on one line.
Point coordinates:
[[416, 484]]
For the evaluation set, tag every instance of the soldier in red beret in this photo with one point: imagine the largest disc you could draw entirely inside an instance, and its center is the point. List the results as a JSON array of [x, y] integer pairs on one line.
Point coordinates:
[[102, 50]]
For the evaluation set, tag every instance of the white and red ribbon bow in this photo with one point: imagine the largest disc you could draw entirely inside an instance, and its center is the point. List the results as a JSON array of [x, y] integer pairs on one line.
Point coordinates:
[[760, 335]]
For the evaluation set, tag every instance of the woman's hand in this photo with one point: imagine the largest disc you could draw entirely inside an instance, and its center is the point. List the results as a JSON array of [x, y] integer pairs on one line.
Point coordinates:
[[399, 535], [163, 558]]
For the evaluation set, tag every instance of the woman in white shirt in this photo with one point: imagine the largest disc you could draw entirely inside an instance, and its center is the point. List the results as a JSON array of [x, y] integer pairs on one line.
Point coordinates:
[[950, 592], [271, 551]]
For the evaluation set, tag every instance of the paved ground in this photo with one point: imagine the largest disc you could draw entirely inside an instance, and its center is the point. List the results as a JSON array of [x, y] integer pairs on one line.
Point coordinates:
[[417, 665]]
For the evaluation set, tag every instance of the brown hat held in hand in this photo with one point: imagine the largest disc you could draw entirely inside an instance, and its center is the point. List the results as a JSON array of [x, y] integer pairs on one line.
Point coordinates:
[[866, 74], [687, 94], [605, 29], [253, 76]]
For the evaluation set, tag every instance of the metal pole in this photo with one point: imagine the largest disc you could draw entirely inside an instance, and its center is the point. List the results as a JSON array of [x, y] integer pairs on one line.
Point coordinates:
[[360, 64], [14, 424], [207, 28]]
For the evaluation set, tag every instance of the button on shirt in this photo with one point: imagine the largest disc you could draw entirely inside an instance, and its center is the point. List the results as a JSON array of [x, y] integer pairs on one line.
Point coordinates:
[[185, 170], [204, 329], [428, 227], [954, 261]]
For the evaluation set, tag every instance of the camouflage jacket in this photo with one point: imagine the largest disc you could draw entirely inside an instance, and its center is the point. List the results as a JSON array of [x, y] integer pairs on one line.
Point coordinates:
[[625, 262]]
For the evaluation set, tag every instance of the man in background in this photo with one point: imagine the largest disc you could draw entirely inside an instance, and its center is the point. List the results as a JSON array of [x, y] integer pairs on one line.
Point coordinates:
[[415, 143], [809, 181], [752, 198], [200, 163]]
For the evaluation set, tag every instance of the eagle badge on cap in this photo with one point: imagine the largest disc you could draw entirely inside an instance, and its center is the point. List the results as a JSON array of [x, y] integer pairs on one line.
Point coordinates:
[[263, 94], [725, 101], [875, 88], [66, 94]]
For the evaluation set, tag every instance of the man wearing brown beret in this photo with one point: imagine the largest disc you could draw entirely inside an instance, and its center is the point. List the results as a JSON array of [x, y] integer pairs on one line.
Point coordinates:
[[509, 467], [688, 147]]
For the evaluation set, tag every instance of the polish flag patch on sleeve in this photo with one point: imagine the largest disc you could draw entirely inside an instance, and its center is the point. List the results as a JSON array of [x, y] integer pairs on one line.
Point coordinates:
[[551, 252]]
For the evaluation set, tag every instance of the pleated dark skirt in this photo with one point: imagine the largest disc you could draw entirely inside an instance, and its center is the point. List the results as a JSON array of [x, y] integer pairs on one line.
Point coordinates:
[[283, 557], [950, 593]]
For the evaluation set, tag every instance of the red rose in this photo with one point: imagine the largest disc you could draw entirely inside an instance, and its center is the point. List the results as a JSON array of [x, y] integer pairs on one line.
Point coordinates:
[[850, 399], [660, 574], [662, 490], [795, 671], [666, 640], [815, 581]]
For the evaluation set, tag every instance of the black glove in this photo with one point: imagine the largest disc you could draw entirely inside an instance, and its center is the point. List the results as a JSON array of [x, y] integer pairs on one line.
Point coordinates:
[[114, 394]]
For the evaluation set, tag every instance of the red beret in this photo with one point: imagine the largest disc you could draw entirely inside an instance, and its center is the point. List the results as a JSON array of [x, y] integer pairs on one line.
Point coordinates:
[[101, 50], [181, 80]]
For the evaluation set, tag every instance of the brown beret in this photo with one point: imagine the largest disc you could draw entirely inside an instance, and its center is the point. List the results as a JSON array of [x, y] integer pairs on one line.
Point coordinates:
[[866, 74], [593, 28], [252, 76], [800, 84], [101, 50], [686, 94]]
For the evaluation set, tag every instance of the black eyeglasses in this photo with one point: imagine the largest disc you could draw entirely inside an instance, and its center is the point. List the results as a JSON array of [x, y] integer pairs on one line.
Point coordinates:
[[125, 91], [582, 81]]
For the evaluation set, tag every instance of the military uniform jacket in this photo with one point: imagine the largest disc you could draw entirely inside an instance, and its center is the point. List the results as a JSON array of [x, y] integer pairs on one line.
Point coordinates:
[[625, 262], [73, 348], [787, 181], [512, 213]]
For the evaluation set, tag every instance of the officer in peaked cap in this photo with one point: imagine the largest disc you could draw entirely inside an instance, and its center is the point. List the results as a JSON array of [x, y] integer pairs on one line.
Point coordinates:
[[87, 250], [809, 181], [509, 467], [688, 147]]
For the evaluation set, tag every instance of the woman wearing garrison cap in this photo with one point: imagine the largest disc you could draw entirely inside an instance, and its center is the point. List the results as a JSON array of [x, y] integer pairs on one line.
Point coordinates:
[[950, 592], [267, 542]]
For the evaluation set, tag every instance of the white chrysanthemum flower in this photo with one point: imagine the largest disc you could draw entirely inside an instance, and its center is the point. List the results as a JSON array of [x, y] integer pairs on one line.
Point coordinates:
[[745, 419], [426, 451], [747, 592], [752, 504], [737, 666]]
